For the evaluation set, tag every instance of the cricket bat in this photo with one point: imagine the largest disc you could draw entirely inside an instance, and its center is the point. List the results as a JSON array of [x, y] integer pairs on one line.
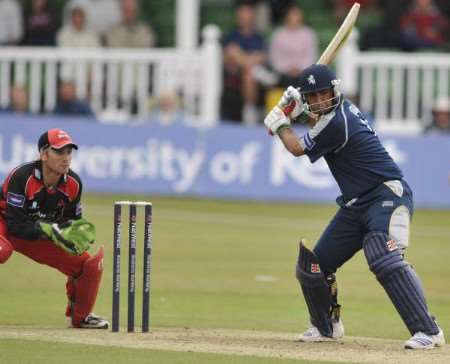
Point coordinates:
[[329, 54]]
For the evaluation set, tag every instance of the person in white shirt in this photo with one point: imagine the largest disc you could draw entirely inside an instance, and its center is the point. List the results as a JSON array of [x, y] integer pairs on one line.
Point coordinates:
[[76, 33], [11, 23], [101, 15]]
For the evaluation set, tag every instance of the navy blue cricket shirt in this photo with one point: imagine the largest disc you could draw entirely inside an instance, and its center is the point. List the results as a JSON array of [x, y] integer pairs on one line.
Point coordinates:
[[352, 150]]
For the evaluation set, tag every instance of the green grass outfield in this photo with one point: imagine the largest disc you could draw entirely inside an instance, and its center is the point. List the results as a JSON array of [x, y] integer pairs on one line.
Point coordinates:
[[218, 265]]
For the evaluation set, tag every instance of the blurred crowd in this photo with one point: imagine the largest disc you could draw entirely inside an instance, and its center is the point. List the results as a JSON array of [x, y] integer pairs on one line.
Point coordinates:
[[82, 23], [269, 45]]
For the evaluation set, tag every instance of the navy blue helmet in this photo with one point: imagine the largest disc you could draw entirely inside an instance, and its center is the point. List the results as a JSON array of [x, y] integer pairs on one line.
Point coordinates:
[[316, 78]]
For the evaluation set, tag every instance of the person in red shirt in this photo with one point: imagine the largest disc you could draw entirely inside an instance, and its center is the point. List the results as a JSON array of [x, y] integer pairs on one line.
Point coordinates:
[[424, 25], [39, 201]]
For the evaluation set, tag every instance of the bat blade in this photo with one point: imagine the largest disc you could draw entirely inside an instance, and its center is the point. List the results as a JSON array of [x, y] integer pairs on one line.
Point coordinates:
[[340, 37]]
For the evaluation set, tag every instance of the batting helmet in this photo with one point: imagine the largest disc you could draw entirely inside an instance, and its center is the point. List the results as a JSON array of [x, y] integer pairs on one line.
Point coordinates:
[[316, 78]]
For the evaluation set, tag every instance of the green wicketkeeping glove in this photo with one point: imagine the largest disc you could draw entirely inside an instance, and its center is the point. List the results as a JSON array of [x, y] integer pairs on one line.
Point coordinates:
[[74, 236]]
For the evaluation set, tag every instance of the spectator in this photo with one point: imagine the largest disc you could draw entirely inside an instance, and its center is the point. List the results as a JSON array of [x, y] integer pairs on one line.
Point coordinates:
[[101, 15], [244, 48], [19, 101], [68, 103], [76, 34], [424, 26], [440, 113], [131, 33], [167, 110], [11, 24], [293, 47], [40, 24]]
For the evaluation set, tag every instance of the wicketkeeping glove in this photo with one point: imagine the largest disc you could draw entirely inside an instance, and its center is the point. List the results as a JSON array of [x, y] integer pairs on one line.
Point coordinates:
[[74, 236]]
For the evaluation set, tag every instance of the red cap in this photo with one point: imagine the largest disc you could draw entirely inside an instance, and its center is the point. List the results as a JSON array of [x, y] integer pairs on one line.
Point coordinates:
[[56, 139]]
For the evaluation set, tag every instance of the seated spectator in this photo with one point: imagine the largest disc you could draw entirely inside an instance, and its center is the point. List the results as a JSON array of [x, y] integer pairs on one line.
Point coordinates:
[[243, 49], [101, 15], [292, 47], [131, 33], [40, 24], [167, 111], [76, 34], [68, 104], [18, 101], [440, 112], [11, 24], [425, 26]]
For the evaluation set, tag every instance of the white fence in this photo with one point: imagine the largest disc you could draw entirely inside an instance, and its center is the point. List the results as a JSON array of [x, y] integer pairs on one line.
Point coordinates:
[[397, 88], [112, 80]]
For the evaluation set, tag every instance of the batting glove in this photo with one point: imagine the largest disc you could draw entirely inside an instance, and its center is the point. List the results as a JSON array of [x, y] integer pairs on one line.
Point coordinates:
[[291, 103], [276, 120]]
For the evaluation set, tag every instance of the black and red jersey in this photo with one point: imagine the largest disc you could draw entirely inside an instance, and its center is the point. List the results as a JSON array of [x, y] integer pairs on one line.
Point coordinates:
[[24, 199]]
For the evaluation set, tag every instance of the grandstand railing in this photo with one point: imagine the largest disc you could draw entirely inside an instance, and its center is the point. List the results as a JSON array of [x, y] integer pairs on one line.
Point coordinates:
[[115, 81], [397, 88]]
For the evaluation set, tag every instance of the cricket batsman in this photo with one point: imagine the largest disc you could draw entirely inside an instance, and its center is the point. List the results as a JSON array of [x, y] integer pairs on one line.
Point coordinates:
[[41, 218], [376, 206]]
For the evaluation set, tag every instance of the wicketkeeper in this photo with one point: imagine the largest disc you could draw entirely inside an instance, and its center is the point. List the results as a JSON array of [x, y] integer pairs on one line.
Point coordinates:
[[41, 218]]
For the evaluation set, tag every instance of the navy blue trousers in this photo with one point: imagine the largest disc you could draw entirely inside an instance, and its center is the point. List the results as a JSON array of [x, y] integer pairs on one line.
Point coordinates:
[[344, 235]]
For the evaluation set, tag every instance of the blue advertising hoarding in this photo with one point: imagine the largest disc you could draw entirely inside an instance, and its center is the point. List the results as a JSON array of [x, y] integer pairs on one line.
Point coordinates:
[[229, 161]]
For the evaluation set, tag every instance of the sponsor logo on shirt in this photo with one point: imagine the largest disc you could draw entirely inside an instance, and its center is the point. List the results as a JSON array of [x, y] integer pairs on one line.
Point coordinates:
[[315, 268], [15, 199]]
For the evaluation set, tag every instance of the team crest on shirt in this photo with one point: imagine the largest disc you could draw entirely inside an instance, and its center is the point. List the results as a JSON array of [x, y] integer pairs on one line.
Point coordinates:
[[391, 245], [311, 80], [315, 268]]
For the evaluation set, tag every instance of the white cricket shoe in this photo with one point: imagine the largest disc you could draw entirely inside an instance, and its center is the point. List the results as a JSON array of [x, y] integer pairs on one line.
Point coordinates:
[[423, 341], [313, 334], [92, 321]]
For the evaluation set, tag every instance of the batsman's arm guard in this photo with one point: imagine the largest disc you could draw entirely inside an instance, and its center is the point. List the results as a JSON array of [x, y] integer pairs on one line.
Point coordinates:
[[315, 290]]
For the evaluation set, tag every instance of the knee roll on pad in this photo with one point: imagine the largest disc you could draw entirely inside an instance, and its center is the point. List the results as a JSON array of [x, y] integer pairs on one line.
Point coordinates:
[[399, 281], [6, 249], [315, 290]]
